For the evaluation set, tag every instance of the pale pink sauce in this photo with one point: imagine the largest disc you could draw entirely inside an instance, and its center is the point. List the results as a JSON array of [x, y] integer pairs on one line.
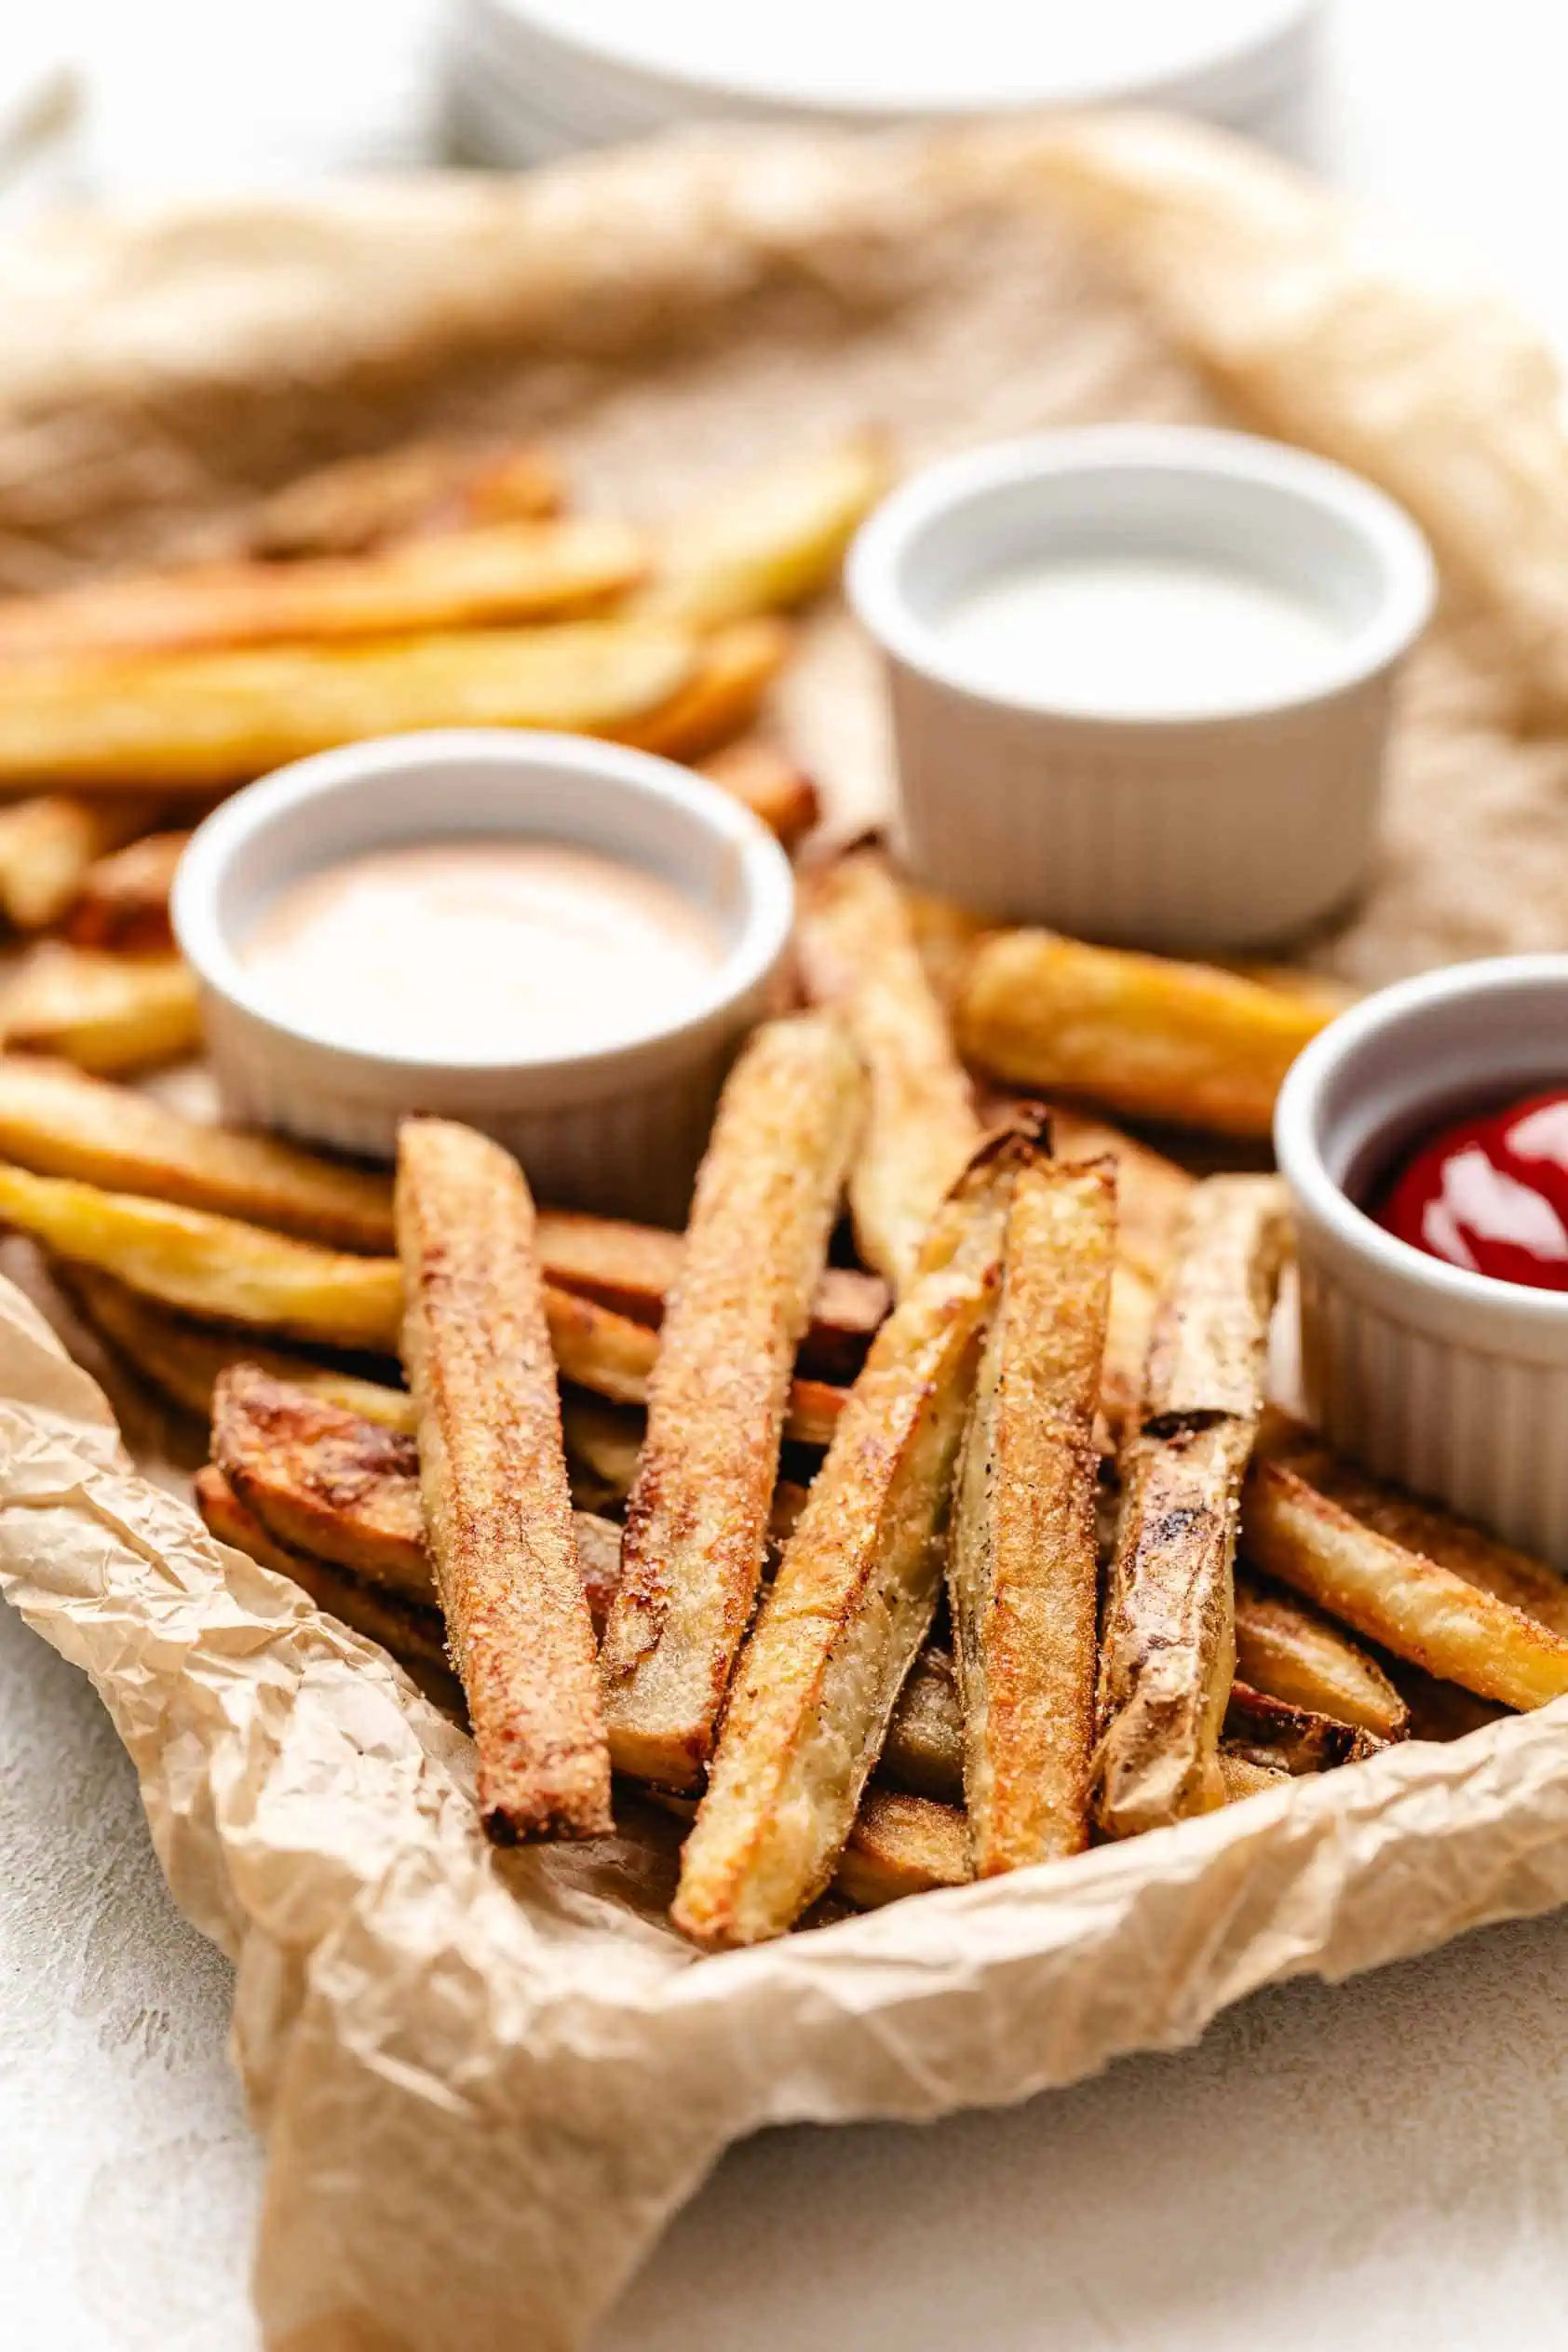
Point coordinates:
[[451, 951]]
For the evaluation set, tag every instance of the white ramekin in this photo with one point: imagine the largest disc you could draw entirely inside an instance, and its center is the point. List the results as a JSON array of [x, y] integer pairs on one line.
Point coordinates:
[[619, 1131], [1191, 834], [1446, 1381]]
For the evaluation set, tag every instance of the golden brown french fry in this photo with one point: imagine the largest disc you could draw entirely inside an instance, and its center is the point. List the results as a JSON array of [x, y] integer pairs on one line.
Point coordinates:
[[1169, 1643], [616, 1356], [1458, 1544], [1438, 1709], [1242, 1776], [770, 541], [1290, 1652], [853, 1600], [413, 1634], [944, 932], [105, 1013], [1147, 1036], [207, 1266], [508, 573], [360, 503], [220, 1270], [193, 723], [1152, 1193], [1411, 1604], [49, 846], [721, 696], [325, 1481], [1023, 1573], [768, 782], [697, 1523], [493, 1472], [902, 1844], [858, 952], [1134, 1302], [924, 1750], [630, 1268], [1293, 1740], [122, 904], [59, 1121], [183, 1361], [602, 1443]]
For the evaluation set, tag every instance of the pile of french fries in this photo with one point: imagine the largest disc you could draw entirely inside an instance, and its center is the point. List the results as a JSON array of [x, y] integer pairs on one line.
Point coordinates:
[[876, 1576], [920, 1513], [432, 587]]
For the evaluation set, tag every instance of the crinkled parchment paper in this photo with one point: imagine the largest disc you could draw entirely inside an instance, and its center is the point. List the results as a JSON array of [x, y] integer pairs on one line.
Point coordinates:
[[485, 2081]]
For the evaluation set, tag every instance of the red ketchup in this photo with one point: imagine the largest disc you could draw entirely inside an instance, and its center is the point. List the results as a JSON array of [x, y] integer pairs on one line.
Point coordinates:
[[1489, 1193]]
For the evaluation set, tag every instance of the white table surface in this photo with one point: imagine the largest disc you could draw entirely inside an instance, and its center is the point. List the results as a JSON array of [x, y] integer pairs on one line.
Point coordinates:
[[1366, 2169]]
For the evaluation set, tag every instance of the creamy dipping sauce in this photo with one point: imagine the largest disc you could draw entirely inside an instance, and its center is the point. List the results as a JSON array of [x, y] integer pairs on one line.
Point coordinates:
[[1138, 635], [472, 950]]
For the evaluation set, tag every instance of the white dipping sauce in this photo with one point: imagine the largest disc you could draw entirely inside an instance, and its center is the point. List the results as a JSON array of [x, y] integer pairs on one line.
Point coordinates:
[[1137, 634], [451, 950]]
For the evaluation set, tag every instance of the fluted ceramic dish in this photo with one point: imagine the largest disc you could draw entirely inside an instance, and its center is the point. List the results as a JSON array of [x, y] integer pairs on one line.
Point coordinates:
[[1194, 833], [1446, 1381], [619, 1129]]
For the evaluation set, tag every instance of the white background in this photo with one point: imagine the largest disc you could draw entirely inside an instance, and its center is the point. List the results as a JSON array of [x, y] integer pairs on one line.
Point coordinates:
[[1384, 2165]]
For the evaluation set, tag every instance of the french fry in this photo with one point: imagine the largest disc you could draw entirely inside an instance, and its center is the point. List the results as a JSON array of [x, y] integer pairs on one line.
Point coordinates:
[[616, 1356], [1152, 1193], [1169, 1643], [493, 1472], [1146, 1036], [361, 502], [630, 1268], [210, 1266], [48, 849], [220, 1270], [602, 1443], [697, 1520], [105, 1013], [321, 1479], [771, 541], [902, 1844], [1023, 1575], [325, 1481], [905, 1844], [924, 1750], [720, 698], [768, 782], [186, 723], [858, 952], [59, 1121], [506, 574], [182, 1361], [413, 1634], [122, 904], [1409, 1604], [1290, 1653], [1438, 1535], [1242, 1776], [1293, 1740], [1438, 1709], [945, 933], [857, 1587], [1133, 1303]]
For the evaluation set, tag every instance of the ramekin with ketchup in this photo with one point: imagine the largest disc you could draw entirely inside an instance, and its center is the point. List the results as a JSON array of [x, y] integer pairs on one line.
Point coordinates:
[[1424, 1140]]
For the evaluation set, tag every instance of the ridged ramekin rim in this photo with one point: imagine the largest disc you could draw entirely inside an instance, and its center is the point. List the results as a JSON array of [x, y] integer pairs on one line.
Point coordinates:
[[876, 593], [1318, 1198], [223, 836]]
